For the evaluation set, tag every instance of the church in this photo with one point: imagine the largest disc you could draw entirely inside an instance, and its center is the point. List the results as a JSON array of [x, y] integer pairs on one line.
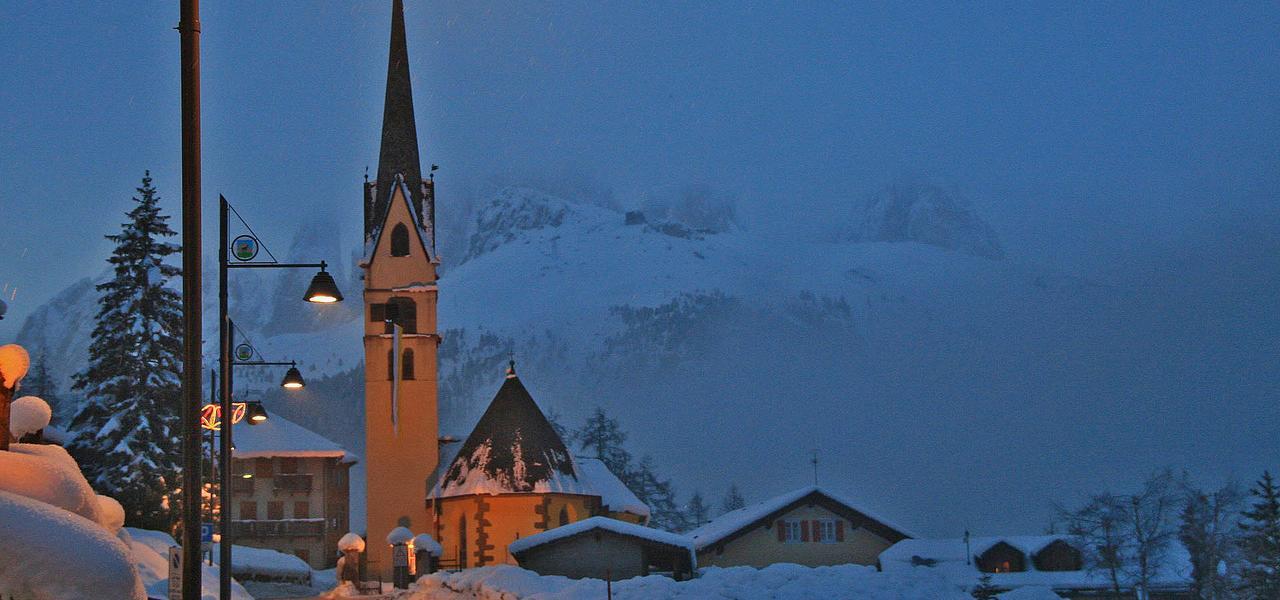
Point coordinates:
[[513, 476]]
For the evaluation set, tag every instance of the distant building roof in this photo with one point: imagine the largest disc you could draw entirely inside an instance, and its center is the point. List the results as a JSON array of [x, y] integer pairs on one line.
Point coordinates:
[[613, 493], [950, 558], [731, 524], [278, 436], [641, 532], [513, 449]]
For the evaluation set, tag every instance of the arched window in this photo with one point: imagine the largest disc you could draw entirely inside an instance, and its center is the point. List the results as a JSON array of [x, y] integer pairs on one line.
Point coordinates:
[[406, 364], [564, 516], [400, 240], [403, 312]]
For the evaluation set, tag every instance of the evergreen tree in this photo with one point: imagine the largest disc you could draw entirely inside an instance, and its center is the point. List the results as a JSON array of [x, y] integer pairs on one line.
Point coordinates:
[[658, 494], [697, 511], [985, 590], [733, 500], [39, 383], [602, 438], [1209, 534], [1260, 543], [126, 436]]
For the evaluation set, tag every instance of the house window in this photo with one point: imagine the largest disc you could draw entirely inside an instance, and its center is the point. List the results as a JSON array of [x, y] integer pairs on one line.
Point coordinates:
[[289, 464], [302, 510], [248, 510], [262, 467], [400, 240], [275, 510], [564, 516], [406, 364], [793, 535], [391, 365], [824, 531]]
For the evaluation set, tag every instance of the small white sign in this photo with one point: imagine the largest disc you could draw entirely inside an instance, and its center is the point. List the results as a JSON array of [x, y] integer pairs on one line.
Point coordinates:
[[175, 573]]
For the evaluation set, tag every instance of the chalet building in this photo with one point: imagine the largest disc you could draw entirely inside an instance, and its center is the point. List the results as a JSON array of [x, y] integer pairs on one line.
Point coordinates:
[[289, 491], [514, 477], [604, 548], [1052, 561], [809, 526]]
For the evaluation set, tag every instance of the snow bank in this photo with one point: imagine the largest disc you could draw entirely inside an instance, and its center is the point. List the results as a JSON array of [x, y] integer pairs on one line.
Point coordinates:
[[261, 564], [14, 363], [48, 474], [351, 542], [151, 556], [52, 554], [1030, 593], [742, 583], [28, 414], [110, 513]]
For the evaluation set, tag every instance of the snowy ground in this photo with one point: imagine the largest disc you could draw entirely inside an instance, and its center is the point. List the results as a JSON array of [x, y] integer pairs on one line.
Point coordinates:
[[776, 582]]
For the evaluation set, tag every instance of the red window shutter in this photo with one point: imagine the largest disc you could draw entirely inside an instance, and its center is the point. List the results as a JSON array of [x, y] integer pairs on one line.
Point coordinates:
[[840, 531], [781, 526], [804, 531]]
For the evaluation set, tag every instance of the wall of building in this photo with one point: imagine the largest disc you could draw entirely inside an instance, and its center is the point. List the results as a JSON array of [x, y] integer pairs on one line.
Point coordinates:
[[321, 484], [594, 554], [760, 547], [493, 522], [400, 456]]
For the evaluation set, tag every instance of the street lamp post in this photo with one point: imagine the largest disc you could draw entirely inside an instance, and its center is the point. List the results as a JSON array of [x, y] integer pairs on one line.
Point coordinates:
[[323, 290]]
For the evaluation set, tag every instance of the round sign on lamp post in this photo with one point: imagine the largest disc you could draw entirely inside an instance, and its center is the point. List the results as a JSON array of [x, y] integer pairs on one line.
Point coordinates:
[[244, 352], [244, 248]]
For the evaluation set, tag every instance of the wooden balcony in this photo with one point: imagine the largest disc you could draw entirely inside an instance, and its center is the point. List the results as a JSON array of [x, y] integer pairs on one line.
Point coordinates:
[[280, 528], [292, 482]]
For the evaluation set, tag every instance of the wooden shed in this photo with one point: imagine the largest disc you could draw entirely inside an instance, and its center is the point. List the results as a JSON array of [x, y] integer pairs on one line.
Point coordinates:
[[605, 548]]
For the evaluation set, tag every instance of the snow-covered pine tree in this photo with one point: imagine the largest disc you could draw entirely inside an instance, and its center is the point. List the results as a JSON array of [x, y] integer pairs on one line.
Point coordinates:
[[39, 383], [733, 500], [985, 590], [1260, 543], [126, 436], [602, 438], [697, 511], [658, 494], [1209, 533]]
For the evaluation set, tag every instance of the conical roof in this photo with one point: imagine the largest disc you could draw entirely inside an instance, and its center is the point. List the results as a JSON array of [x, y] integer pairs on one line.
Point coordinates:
[[399, 150], [512, 449]]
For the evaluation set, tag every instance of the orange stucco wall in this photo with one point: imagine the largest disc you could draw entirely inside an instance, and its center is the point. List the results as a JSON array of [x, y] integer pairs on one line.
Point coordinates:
[[400, 455], [493, 522]]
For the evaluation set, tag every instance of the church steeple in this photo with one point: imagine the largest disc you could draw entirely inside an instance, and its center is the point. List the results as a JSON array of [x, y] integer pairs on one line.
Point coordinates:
[[399, 150]]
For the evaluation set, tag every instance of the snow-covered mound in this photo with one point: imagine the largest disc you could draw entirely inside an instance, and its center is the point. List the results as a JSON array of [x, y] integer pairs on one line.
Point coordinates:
[[263, 564], [52, 554], [151, 555], [48, 474], [741, 583]]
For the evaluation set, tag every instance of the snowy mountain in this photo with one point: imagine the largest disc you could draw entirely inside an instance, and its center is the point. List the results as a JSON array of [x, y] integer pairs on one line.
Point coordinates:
[[905, 350]]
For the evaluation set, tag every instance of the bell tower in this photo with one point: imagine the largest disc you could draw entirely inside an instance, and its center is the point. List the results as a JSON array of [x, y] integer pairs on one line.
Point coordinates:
[[400, 335]]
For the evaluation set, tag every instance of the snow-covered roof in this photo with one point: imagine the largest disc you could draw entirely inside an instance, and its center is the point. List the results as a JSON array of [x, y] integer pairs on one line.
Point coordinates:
[[732, 522], [513, 449], [948, 557], [278, 436], [613, 493], [650, 534]]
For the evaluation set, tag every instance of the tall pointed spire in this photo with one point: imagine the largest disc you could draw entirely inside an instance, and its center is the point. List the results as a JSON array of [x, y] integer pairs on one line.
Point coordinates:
[[399, 153]]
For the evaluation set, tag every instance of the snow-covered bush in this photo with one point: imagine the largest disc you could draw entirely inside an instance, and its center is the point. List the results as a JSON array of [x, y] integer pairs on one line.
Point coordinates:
[[28, 414]]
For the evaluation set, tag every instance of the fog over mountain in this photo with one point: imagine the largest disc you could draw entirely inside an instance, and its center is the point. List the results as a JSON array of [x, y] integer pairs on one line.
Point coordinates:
[[940, 379]]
